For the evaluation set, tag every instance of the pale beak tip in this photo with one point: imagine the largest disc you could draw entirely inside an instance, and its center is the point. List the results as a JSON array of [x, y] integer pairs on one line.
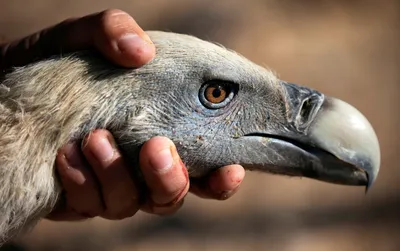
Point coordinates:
[[347, 134]]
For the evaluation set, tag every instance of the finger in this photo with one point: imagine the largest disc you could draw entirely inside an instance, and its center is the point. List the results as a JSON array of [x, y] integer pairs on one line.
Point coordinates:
[[165, 175], [79, 183], [66, 215], [63, 212], [219, 185], [163, 210], [119, 192], [113, 32]]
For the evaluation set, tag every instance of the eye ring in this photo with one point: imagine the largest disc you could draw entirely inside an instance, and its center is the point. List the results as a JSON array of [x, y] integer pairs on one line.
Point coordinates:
[[216, 94]]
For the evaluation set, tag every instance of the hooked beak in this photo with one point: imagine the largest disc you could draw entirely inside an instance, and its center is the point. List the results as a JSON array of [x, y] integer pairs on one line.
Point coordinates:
[[337, 133], [325, 139], [344, 132]]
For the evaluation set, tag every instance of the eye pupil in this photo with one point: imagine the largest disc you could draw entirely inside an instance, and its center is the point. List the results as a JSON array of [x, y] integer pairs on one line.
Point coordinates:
[[217, 92]]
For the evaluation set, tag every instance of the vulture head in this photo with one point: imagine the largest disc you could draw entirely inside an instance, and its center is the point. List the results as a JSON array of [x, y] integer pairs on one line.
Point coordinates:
[[218, 107]]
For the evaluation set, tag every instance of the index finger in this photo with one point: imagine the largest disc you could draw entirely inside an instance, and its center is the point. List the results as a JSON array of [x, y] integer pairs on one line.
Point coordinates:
[[114, 32]]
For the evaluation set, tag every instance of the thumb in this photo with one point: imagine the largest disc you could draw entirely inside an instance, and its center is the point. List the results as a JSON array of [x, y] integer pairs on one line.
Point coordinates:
[[113, 32]]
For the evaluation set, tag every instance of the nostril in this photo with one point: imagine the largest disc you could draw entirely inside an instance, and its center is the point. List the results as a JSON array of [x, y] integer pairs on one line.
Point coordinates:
[[307, 112]]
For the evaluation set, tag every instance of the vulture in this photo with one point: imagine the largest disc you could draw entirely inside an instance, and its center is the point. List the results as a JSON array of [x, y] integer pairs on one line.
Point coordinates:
[[218, 107]]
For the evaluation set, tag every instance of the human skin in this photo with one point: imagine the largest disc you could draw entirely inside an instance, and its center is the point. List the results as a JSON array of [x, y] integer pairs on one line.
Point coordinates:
[[94, 175]]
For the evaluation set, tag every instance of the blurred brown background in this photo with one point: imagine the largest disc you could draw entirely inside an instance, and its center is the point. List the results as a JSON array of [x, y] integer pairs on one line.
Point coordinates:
[[347, 49]]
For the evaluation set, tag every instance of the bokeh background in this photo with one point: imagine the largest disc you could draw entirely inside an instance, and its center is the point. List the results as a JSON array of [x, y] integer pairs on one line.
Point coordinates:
[[349, 49]]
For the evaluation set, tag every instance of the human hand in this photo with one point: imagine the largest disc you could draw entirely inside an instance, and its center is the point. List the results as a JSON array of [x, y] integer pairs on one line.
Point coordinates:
[[95, 178]]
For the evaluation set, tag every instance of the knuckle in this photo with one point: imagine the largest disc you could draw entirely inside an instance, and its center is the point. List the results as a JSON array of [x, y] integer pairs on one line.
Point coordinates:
[[121, 212], [111, 16], [109, 13], [121, 202]]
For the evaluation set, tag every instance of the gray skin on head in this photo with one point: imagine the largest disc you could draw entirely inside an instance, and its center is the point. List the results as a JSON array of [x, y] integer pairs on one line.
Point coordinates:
[[263, 123]]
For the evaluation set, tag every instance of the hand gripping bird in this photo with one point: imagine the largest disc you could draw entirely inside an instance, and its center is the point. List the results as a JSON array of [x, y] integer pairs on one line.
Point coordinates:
[[218, 107]]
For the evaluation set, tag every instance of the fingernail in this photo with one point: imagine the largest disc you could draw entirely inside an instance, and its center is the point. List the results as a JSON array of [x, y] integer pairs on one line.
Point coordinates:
[[163, 162], [222, 194], [133, 44], [227, 194], [70, 168], [225, 181], [71, 155], [103, 150]]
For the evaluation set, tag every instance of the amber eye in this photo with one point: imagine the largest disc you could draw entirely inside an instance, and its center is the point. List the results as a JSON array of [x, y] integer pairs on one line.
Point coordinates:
[[216, 94]]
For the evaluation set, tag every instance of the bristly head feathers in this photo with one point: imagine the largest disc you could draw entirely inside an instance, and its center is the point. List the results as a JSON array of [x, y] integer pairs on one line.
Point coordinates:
[[48, 103]]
